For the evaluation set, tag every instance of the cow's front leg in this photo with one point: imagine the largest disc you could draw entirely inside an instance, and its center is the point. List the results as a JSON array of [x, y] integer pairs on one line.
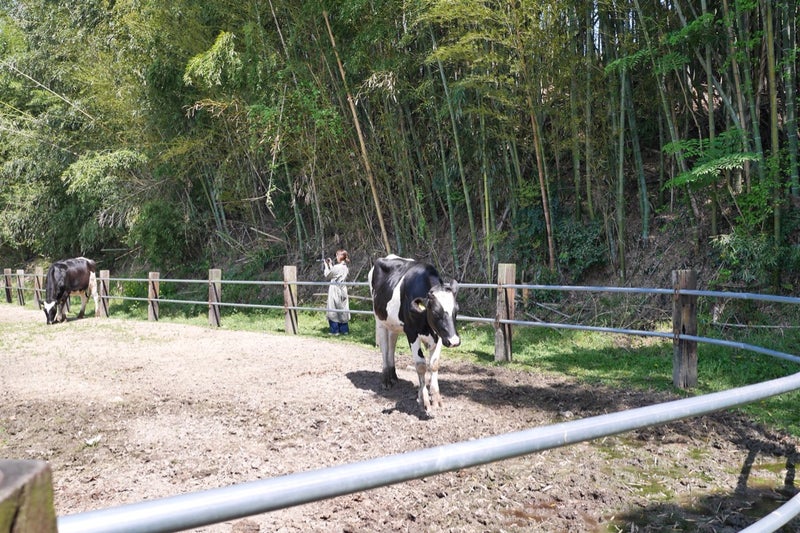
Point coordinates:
[[433, 366], [421, 365], [387, 340]]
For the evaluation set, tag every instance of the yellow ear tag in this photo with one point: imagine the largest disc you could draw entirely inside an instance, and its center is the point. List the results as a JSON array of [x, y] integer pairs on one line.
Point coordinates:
[[420, 306]]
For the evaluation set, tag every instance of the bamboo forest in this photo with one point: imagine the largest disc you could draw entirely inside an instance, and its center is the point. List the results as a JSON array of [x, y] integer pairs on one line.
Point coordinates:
[[556, 135]]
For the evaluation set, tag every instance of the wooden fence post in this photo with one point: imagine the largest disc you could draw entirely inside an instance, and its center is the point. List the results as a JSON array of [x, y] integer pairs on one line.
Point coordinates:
[[38, 287], [214, 295], [7, 283], [684, 322], [102, 293], [152, 296], [506, 275], [26, 497], [290, 298], [21, 287]]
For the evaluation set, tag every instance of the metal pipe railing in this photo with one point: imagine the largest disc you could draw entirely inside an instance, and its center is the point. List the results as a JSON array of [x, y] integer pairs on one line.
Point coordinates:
[[193, 510], [197, 509]]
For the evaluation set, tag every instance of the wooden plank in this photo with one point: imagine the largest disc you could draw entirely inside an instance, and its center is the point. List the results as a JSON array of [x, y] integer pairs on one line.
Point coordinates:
[[26, 497], [152, 296], [21, 287], [290, 298], [506, 275], [7, 283], [214, 296], [102, 293], [684, 322], [38, 287]]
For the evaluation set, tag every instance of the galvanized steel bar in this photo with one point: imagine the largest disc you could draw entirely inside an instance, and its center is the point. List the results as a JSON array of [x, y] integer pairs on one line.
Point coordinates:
[[777, 518], [188, 511]]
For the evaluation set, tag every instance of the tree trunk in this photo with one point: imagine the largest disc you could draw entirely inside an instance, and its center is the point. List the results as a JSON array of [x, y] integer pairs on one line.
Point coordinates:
[[620, 196], [587, 113], [644, 201], [362, 144], [790, 82], [774, 119], [465, 189]]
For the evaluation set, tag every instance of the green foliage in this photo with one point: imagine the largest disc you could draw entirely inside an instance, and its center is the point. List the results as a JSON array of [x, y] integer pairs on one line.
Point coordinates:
[[695, 33], [708, 172], [122, 122], [100, 179], [711, 158], [218, 66], [160, 230], [755, 206], [526, 245], [580, 246], [747, 259]]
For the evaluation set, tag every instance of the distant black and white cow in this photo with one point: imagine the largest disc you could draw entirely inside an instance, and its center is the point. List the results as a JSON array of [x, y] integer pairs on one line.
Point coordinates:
[[409, 297], [64, 279]]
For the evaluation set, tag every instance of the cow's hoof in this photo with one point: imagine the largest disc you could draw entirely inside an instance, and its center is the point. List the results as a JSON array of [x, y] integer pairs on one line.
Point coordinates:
[[424, 400], [390, 378]]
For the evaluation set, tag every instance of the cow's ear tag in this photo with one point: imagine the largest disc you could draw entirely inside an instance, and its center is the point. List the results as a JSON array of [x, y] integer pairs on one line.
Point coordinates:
[[419, 305]]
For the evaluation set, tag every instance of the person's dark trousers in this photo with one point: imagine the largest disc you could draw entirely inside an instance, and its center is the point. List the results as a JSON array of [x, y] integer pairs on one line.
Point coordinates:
[[334, 327]]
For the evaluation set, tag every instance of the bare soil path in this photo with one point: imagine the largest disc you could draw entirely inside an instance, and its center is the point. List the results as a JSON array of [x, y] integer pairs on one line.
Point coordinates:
[[126, 411]]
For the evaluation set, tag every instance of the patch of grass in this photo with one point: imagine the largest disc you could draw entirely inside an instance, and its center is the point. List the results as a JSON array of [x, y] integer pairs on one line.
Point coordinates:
[[646, 363]]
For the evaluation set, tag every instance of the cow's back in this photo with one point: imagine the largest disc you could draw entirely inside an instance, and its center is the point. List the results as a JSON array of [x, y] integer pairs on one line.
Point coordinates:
[[392, 273], [67, 276]]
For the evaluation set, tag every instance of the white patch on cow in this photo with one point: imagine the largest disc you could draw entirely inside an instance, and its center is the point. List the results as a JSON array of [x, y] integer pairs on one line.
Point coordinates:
[[49, 305], [448, 302], [393, 321]]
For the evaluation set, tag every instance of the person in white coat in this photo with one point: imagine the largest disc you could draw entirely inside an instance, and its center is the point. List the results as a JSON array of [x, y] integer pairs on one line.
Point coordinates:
[[338, 302]]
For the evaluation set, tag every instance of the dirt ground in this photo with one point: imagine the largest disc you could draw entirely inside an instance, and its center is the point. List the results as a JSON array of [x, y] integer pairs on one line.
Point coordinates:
[[125, 411]]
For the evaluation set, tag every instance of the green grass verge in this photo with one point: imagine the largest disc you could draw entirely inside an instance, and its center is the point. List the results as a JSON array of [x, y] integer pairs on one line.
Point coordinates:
[[646, 364]]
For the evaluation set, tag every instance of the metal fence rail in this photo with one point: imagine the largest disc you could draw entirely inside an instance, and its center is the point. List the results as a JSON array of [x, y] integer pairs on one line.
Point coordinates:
[[216, 505], [197, 509]]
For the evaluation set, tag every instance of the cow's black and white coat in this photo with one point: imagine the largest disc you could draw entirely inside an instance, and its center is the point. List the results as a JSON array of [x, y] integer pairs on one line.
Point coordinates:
[[409, 297], [64, 279]]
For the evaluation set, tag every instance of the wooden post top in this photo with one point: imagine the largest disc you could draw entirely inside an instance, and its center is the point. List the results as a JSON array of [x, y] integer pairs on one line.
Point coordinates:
[[26, 497]]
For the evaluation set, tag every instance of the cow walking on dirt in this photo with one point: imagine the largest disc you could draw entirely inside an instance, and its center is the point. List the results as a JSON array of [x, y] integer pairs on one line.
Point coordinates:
[[409, 297]]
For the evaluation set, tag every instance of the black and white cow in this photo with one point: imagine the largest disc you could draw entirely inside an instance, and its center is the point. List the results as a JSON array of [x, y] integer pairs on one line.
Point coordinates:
[[409, 297], [64, 279]]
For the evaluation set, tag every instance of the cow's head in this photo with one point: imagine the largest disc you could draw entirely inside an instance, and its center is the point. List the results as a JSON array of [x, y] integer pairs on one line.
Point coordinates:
[[50, 309], [441, 308]]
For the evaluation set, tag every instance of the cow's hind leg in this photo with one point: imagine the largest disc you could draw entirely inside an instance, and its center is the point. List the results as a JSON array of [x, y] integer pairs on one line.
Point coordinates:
[[84, 300], [92, 290], [387, 340], [61, 316]]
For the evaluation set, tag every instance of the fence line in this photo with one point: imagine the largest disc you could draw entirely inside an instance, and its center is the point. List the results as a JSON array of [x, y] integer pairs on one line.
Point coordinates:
[[217, 505], [683, 293]]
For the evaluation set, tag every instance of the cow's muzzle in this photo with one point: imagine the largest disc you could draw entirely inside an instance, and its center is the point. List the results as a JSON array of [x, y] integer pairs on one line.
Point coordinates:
[[451, 342]]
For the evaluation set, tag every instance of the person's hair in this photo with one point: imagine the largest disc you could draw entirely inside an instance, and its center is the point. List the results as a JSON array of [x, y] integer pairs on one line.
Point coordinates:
[[342, 255]]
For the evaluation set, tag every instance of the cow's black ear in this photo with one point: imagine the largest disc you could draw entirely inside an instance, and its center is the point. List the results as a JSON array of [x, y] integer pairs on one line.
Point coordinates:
[[454, 286], [418, 305]]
